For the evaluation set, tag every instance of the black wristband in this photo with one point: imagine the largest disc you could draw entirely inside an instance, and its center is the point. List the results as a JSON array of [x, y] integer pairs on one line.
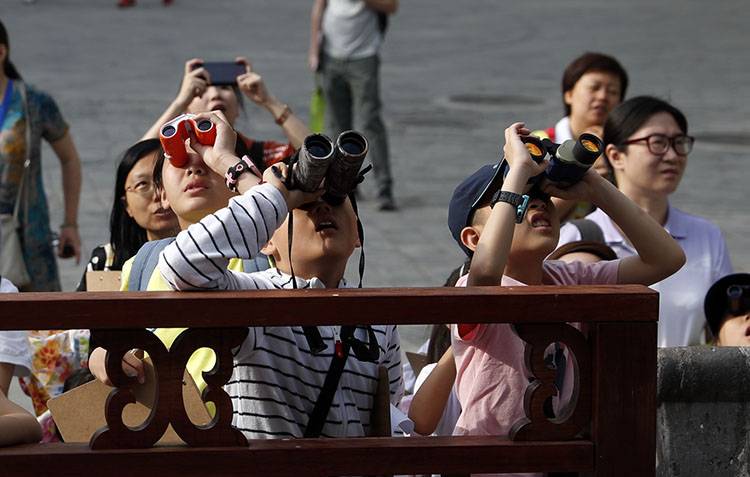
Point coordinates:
[[520, 202]]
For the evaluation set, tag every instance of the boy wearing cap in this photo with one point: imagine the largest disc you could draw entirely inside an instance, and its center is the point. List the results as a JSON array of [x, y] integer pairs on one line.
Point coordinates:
[[507, 243], [727, 307]]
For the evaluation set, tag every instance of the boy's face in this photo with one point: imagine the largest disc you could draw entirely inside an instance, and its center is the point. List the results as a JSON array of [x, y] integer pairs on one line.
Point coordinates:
[[323, 235], [538, 233], [193, 191], [735, 331]]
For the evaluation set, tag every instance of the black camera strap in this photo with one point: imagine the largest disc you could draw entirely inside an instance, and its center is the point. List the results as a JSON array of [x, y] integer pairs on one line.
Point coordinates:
[[331, 383]]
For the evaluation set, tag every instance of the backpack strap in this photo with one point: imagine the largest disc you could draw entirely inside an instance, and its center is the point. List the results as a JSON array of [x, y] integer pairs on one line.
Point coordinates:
[[257, 264], [145, 263], [589, 230]]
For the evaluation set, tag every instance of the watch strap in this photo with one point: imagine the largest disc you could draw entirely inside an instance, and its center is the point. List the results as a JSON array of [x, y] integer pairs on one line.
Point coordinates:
[[520, 202]]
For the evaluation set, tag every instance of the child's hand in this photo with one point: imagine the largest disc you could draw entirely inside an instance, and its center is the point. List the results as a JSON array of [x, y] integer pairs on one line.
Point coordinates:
[[132, 366], [194, 82], [251, 83], [277, 174], [586, 190], [518, 157], [219, 157]]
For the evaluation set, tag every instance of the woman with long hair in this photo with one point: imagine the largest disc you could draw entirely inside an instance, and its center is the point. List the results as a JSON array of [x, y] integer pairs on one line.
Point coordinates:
[[137, 213], [27, 116]]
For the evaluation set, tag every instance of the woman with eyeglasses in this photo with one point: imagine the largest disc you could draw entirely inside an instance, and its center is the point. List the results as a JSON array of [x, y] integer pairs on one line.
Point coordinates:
[[646, 146], [137, 213]]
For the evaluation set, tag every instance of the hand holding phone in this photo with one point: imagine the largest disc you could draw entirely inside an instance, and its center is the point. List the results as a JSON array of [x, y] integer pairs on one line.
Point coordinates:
[[223, 73]]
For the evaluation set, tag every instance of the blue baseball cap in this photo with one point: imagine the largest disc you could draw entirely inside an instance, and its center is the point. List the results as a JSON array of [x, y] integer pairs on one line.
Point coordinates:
[[468, 196]]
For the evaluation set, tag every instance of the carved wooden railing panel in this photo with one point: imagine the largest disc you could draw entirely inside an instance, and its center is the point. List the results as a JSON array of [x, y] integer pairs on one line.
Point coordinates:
[[619, 354], [573, 417], [168, 407]]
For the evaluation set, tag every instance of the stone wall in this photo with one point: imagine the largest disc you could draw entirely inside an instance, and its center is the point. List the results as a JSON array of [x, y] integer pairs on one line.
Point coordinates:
[[703, 417]]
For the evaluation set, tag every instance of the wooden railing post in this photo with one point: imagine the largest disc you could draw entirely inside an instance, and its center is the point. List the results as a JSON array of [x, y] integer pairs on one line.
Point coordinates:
[[624, 404]]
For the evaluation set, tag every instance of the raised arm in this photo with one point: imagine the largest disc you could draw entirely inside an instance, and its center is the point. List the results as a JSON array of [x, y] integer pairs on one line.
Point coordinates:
[[252, 85], [194, 83], [659, 255], [491, 254]]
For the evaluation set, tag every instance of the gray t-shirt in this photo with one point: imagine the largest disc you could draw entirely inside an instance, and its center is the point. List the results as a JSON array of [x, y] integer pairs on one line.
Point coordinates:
[[350, 30]]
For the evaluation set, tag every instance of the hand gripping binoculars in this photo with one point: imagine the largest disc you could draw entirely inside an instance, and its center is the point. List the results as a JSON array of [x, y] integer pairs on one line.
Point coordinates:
[[338, 163], [174, 133], [569, 161]]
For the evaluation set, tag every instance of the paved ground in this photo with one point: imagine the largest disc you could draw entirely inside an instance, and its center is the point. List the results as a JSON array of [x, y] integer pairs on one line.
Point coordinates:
[[454, 75]]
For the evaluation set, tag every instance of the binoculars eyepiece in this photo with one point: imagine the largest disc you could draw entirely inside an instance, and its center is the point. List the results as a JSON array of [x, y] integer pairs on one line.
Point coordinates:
[[569, 161], [738, 297], [174, 133], [338, 163]]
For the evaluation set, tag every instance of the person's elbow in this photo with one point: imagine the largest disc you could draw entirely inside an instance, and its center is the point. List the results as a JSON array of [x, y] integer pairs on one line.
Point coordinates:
[[671, 261], [674, 259]]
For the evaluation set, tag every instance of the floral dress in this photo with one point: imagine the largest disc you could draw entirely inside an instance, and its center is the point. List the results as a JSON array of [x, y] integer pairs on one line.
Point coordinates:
[[56, 355], [46, 123]]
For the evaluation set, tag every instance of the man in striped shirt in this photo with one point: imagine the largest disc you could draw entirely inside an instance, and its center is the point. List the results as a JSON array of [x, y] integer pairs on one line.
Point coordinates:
[[277, 378]]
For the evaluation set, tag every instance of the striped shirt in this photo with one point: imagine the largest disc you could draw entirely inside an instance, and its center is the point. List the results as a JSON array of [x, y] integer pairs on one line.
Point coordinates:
[[276, 379]]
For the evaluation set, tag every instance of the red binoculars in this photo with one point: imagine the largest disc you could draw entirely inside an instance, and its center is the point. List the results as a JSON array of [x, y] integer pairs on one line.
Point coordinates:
[[174, 133]]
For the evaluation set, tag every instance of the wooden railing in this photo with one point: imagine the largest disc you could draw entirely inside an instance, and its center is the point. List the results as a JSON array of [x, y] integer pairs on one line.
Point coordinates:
[[609, 432]]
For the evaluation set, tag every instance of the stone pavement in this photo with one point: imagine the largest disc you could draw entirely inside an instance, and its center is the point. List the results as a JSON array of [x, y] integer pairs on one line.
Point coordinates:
[[454, 75]]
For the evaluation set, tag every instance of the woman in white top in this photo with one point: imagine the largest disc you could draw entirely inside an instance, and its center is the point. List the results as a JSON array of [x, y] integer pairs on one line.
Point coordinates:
[[646, 145]]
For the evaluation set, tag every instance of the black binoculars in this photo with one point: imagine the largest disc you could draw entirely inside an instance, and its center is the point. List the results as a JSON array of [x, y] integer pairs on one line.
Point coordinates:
[[739, 299], [338, 163], [569, 161]]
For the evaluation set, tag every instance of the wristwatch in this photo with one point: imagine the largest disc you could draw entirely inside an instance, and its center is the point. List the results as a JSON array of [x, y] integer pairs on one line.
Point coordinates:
[[520, 202]]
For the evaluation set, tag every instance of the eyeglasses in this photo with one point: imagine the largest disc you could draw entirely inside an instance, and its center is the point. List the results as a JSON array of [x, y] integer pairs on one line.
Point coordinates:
[[142, 188], [659, 143]]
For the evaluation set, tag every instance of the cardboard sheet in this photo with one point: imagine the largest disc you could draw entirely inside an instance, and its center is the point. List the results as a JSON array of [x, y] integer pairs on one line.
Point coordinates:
[[79, 412]]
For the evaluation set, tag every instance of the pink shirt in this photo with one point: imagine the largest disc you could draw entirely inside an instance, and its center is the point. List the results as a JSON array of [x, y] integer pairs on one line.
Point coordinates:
[[491, 376]]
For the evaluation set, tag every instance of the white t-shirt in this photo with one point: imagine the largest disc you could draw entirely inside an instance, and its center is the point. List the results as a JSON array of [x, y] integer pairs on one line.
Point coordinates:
[[14, 345], [681, 317], [350, 30]]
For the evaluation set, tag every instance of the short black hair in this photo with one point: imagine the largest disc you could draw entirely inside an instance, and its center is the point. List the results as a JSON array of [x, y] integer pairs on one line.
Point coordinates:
[[630, 115], [586, 63]]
